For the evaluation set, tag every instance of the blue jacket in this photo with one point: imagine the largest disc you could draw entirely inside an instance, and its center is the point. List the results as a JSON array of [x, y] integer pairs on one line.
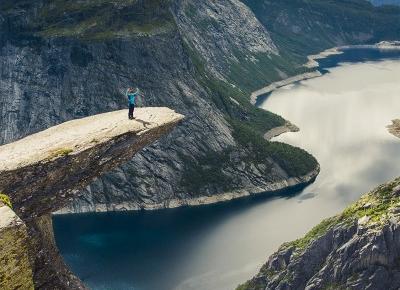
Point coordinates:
[[131, 97]]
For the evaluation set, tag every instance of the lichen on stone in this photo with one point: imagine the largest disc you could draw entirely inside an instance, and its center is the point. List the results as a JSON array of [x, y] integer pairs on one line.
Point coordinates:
[[5, 199], [60, 153]]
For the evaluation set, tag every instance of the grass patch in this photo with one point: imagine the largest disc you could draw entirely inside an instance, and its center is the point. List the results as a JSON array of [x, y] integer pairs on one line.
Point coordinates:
[[60, 153], [317, 232], [5, 199], [96, 20], [376, 205]]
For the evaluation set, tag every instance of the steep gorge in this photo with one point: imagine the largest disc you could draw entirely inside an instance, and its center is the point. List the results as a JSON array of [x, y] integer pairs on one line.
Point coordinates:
[[61, 61]]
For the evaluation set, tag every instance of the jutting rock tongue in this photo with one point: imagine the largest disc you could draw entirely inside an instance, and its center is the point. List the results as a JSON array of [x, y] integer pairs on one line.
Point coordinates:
[[43, 172]]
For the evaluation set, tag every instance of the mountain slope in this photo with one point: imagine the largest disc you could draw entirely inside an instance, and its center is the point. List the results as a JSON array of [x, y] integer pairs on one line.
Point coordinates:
[[301, 27]]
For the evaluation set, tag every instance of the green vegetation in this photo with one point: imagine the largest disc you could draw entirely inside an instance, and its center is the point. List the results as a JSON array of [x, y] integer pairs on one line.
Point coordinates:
[[314, 234], [60, 153], [295, 161], [262, 68], [98, 20], [207, 171], [306, 27], [375, 205], [5, 199], [249, 124]]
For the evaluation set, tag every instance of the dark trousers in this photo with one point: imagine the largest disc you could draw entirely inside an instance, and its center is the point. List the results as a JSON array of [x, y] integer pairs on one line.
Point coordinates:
[[131, 110]]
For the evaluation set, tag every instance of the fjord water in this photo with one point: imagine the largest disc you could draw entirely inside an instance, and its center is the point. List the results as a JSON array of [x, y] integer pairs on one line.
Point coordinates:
[[342, 116]]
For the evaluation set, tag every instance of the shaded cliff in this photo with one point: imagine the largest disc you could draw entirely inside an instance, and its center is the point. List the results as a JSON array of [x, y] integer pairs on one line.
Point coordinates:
[[44, 171]]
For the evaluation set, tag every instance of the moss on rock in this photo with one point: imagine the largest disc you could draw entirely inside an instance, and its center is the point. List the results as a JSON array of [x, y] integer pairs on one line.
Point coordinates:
[[5, 199], [15, 266]]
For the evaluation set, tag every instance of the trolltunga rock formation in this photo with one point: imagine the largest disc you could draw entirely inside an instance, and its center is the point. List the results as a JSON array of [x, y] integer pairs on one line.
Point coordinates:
[[43, 172]]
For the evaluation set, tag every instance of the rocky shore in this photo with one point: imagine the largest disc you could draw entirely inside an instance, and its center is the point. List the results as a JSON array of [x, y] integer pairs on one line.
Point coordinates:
[[203, 200]]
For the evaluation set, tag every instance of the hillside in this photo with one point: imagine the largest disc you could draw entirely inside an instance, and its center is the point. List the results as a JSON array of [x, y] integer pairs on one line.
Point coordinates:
[[201, 58]]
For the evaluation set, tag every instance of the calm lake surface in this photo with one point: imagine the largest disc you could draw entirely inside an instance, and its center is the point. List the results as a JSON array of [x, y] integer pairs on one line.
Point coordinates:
[[342, 116]]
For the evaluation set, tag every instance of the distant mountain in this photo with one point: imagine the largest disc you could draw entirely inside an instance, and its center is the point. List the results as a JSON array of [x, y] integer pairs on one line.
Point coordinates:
[[385, 2]]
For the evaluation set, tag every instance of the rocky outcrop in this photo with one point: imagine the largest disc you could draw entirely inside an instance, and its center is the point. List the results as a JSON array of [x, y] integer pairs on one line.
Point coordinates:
[[358, 249], [44, 171], [394, 128], [15, 266], [275, 132]]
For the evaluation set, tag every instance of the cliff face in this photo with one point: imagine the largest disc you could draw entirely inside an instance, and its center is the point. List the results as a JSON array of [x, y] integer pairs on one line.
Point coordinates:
[[44, 171]]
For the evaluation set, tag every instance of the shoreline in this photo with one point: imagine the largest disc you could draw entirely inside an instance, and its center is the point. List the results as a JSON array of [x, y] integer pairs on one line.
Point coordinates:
[[313, 64], [270, 189], [275, 132], [276, 85], [394, 128]]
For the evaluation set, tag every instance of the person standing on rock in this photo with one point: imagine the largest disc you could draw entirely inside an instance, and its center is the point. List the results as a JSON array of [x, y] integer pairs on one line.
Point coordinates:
[[132, 94]]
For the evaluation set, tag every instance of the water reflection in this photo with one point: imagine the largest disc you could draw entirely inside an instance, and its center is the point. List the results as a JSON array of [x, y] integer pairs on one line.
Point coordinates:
[[342, 117]]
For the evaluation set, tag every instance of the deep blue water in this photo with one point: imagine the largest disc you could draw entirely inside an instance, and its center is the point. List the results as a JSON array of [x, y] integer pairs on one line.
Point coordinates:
[[357, 55], [146, 250], [216, 247]]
